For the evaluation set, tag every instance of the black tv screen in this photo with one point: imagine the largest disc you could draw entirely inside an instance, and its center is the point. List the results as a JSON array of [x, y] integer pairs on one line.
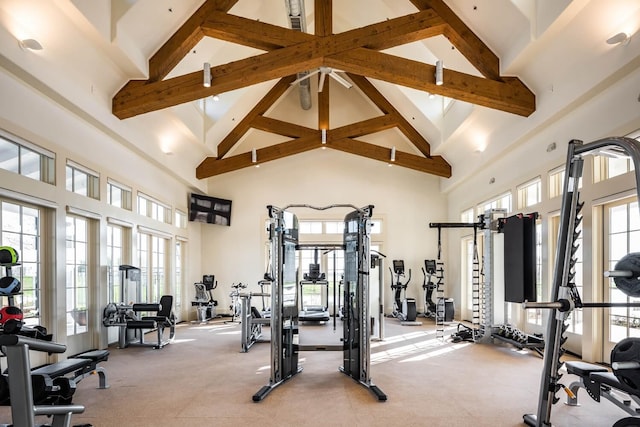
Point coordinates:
[[210, 210]]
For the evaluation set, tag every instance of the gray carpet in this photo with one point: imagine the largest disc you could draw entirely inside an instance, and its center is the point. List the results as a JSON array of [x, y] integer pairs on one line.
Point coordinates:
[[202, 379]]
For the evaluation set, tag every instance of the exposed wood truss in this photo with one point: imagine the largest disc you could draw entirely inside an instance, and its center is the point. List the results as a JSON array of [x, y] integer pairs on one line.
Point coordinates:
[[358, 52]]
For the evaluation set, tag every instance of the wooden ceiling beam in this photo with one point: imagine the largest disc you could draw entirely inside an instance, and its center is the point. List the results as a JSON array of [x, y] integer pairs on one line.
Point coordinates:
[[182, 41], [323, 17], [465, 40], [260, 108], [212, 166], [267, 124], [384, 105], [361, 128], [434, 165], [248, 32], [510, 95]]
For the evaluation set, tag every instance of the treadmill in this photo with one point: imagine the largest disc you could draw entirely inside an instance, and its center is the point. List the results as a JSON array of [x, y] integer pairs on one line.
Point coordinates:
[[314, 313]]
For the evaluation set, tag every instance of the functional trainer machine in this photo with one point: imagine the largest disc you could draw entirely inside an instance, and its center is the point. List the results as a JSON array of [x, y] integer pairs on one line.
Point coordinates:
[[283, 235], [565, 296]]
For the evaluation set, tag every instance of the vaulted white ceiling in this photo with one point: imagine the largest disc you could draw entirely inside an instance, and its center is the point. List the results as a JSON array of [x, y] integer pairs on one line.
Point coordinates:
[[92, 49]]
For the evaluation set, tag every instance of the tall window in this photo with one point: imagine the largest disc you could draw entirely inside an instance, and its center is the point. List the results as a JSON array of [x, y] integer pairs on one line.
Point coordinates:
[[114, 260], [21, 230], [535, 316], [26, 159], [575, 320], [623, 237], [152, 257], [77, 265], [179, 274], [118, 195], [82, 180]]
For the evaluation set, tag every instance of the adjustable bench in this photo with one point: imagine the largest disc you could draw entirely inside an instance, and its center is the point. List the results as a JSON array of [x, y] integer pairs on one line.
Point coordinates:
[[599, 382], [80, 366]]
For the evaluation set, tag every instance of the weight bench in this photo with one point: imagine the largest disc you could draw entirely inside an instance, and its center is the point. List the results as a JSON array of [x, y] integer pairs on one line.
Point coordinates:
[[164, 318], [599, 382], [79, 366]]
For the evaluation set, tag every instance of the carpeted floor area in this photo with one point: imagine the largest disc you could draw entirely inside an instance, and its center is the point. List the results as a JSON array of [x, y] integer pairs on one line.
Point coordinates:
[[202, 379]]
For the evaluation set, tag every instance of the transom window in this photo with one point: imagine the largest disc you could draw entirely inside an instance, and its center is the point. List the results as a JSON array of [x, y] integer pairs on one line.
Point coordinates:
[[530, 193], [118, 195], [81, 180], [21, 157], [152, 208]]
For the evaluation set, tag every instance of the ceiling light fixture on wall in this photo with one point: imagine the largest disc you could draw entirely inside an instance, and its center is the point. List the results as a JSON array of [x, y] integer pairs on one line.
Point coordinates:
[[620, 38], [439, 72], [30, 44], [323, 136], [393, 154], [206, 82]]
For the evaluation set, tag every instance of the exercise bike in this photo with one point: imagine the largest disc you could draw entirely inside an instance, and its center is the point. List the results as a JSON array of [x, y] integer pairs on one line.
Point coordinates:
[[235, 307], [429, 270], [404, 309]]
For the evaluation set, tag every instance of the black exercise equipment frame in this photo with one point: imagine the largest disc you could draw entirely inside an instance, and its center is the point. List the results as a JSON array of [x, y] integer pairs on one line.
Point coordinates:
[[562, 293], [283, 235]]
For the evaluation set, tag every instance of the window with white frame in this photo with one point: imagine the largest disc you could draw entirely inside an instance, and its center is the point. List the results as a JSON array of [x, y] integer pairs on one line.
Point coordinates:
[[502, 201], [535, 316], [115, 251], [180, 219], [530, 193], [118, 195], [26, 159], [467, 216], [81, 180], [310, 227], [21, 229], [152, 252], [152, 208], [612, 163], [556, 182], [77, 264]]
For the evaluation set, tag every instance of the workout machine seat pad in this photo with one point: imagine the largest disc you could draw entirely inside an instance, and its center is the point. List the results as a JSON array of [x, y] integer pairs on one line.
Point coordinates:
[[61, 368], [583, 369], [94, 355]]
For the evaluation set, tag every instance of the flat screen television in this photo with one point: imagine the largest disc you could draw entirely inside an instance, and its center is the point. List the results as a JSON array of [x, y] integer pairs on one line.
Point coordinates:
[[210, 210]]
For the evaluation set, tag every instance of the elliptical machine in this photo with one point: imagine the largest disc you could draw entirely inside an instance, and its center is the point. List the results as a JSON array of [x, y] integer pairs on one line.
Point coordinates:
[[404, 309], [429, 270]]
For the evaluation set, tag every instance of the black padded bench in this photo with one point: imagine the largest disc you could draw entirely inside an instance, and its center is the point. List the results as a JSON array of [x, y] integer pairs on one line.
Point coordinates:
[[80, 366], [162, 319], [599, 382]]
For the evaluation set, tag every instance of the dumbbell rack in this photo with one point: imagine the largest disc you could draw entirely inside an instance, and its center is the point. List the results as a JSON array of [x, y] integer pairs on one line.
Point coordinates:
[[23, 410]]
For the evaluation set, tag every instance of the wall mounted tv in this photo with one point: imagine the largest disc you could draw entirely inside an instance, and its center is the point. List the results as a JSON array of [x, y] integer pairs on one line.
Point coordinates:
[[210, 210]]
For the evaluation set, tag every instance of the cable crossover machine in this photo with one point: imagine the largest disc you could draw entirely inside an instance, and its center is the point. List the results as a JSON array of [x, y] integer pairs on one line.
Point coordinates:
[[565, 298], [283, 236]]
